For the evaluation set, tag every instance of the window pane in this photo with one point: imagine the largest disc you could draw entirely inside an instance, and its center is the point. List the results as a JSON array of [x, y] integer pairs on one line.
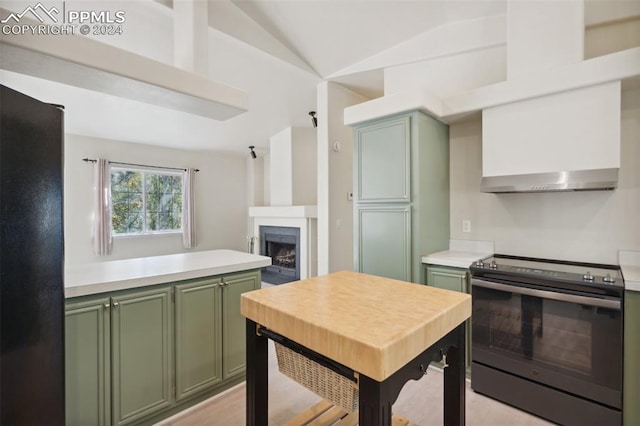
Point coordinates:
[[161, 209], [164, 196], [126, 198]]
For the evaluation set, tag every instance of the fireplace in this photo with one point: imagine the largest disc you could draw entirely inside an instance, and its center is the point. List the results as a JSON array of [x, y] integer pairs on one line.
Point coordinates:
[[282, 245]]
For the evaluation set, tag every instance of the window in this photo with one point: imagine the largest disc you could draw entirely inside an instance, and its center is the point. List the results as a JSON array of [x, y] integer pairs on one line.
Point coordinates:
[[145, 201]]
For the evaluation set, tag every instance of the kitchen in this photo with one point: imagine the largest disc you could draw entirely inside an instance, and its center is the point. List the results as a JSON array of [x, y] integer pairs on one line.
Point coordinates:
[[589, 226]]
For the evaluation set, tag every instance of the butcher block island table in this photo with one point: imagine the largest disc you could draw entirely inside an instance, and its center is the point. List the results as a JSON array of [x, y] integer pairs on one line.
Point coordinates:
[[375, 331]]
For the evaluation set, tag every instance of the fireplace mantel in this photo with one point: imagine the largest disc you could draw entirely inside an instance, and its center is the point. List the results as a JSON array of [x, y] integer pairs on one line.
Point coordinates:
[[303, 217], [284, 211]]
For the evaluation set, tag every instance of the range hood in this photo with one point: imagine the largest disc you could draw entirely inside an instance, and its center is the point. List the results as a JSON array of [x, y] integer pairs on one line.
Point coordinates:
[[569, 141], [576, 180]]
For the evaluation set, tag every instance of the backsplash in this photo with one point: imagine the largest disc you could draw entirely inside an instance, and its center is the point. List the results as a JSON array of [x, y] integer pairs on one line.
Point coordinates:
[[583, 226]]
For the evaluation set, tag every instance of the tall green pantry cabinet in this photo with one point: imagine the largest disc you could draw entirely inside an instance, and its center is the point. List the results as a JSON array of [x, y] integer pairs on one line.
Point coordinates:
[[401, 194]]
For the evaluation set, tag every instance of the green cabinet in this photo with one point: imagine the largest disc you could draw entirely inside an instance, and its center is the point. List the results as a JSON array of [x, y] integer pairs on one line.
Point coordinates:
[[118, 357], [448, 278], [454, 279], [233, 347], [88, 362], [401, 193], [198, 337], [384, 243], [383, 155], [141, 354], [631, 377], [137, 356]]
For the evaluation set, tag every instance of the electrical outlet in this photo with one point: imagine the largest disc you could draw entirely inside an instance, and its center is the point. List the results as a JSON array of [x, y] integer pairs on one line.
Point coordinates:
[[466, 225]]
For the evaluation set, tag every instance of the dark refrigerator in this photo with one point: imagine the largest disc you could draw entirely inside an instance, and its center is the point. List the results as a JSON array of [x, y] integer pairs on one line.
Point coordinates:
[[31, 261]]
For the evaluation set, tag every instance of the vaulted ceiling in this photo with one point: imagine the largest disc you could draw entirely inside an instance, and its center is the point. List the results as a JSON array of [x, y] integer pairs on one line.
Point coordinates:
[[276, 50]]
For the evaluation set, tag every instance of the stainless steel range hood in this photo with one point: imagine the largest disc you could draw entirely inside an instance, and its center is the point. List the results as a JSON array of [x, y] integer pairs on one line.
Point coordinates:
[[576, 180]]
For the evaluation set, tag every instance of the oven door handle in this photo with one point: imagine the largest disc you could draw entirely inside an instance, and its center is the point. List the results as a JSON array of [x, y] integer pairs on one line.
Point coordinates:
[[562, 297]]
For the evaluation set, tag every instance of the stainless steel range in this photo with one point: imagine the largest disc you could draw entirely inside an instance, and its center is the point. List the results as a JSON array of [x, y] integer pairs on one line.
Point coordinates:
[[547, 337]]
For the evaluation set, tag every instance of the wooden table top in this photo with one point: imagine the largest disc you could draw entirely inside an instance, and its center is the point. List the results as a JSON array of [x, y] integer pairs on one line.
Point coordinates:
[[372, 325]]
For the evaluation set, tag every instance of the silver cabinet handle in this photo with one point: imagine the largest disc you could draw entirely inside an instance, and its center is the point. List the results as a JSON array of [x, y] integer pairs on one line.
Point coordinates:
[[107, 306], [115, 304]]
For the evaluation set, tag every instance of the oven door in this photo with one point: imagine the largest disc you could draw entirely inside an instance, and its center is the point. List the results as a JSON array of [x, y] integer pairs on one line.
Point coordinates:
[[568, 341]]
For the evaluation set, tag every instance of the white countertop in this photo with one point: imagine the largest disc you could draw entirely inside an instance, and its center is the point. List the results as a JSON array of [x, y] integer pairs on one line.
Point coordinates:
[[461, 253], [454, 258], [130, 273], [630, 265]]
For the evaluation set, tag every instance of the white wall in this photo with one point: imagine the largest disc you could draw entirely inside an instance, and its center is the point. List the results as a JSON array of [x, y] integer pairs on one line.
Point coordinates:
[[147, 30], [335, 178], [255, 181], [612, 37], [449, 75], [543, 34], [293, 168], [584, 226], [305, 165], [221, 205], [281, 170]]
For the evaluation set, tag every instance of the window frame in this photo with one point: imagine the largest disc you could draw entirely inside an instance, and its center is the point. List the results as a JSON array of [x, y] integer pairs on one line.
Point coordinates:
[[144, 171]]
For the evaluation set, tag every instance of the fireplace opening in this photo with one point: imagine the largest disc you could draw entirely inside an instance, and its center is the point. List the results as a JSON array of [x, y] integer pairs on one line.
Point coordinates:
[[282, 245]]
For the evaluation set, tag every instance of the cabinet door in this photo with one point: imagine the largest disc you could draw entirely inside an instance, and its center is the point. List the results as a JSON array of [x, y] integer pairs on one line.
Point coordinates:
[[447, 278], [198, 337], [87, 362], [234, 350], [631, 391], [382, 161], [454, 279], [141, 354], [383, 245]]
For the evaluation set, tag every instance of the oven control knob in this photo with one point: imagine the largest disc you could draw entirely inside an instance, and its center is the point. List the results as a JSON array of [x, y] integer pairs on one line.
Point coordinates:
[[608, 279], [480, 264], [587, 276], [493, 265]]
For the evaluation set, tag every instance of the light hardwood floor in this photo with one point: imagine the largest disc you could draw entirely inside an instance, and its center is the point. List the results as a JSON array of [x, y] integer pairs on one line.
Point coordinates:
[[420, 402]]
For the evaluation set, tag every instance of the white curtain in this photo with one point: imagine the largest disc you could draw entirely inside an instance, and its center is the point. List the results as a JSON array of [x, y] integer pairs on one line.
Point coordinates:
[[188, 209], [102, 241]]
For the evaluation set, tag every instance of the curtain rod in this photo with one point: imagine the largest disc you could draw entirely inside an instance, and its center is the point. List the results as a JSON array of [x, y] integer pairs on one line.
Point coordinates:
[[89, 160]]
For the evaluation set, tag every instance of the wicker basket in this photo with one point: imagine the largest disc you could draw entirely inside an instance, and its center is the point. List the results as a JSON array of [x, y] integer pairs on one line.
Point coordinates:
[[317, 378]]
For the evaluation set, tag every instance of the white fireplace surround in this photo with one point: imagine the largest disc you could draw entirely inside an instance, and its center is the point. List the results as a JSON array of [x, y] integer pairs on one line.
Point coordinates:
[[303, 217]]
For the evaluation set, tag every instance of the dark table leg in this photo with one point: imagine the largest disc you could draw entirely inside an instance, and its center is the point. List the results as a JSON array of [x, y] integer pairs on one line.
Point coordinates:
[[257, 377], [375, 402], [377, 398], [454, 381]]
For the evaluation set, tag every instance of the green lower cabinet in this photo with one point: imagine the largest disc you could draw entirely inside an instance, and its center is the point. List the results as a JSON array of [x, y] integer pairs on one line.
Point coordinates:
[[454, 279], [142, 361], [138, 356], [631, 377], [88, 362], [198, 337], [234, 351]]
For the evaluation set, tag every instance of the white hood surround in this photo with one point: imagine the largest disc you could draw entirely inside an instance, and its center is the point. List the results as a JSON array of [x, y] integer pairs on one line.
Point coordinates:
[[554, 113], [560, 142]]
